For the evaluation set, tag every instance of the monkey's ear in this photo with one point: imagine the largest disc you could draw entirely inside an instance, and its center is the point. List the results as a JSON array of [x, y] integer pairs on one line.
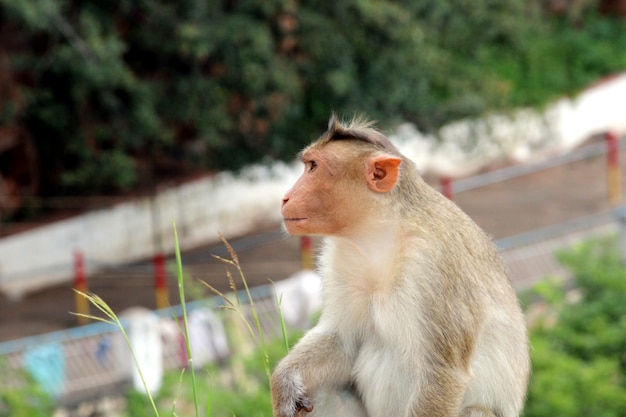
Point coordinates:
[[382, 172]]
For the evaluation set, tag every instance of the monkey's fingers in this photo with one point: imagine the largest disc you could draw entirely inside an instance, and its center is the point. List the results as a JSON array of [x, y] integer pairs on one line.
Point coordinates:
[[304, 404]]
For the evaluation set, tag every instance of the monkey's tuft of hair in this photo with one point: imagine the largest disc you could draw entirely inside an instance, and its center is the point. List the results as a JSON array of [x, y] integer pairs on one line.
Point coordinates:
[[359, 128]]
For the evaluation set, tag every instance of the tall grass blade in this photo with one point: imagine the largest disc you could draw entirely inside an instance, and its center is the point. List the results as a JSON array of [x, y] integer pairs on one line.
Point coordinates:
[[236, 305], [283, 326], [180, 382], [181, 292], [209, 404], [101, 305], [255, 315]]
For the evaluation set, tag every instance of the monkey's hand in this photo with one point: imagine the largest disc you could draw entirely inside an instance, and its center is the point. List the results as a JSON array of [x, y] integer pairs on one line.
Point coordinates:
[[289, 396]]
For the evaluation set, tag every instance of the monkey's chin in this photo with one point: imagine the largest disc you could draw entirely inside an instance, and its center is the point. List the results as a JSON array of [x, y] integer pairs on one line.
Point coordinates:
[[295, 226]]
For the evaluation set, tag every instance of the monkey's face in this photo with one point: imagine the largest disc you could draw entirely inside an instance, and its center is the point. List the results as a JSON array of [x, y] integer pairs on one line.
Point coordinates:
[[338, 189], [316, 204]]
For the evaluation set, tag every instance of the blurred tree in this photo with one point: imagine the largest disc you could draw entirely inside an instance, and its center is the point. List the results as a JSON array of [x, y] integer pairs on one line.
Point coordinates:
[[117, 94]]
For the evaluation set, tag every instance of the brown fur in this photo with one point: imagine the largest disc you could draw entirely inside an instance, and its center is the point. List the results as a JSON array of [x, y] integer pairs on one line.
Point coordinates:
[[419, 317]]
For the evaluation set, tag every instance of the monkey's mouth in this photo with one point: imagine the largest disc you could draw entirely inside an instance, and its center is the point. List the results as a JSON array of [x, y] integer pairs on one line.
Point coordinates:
[[293, 219]]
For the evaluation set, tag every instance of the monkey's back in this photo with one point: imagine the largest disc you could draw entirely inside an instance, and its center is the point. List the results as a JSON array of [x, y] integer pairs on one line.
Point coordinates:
[[476, 284]]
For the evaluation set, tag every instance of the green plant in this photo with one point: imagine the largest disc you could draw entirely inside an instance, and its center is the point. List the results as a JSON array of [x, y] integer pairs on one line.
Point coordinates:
[[579, 359], [112, 318], [185, 329], [26, 398], [180, 390], [236, 306]]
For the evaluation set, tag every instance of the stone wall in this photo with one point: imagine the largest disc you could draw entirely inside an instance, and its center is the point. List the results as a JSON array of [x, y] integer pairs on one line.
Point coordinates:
[[225, 203]]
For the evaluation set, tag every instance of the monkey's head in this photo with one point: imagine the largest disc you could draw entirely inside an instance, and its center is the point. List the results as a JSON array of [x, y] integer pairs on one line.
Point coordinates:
[[349, 174]]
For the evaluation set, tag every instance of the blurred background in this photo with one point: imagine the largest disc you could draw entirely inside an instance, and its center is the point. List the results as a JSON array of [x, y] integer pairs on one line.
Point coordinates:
[[118, 118]]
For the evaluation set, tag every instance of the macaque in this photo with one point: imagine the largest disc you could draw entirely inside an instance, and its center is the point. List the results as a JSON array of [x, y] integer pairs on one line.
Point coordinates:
[[419, 317]]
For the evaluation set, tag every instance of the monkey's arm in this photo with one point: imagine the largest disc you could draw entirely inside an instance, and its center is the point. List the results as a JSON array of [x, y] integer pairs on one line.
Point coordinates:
[[320, 358]]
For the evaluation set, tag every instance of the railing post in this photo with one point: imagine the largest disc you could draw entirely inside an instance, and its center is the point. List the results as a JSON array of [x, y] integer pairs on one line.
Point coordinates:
[[306, 251], [613, 168], [160, 281], [446, 187], [80, 284]]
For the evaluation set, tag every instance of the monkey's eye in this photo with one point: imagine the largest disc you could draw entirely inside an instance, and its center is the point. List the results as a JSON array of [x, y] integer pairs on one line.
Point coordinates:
[[312, 165]]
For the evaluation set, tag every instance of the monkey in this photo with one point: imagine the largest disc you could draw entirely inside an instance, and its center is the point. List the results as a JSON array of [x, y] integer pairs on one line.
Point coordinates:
[[419, 317]]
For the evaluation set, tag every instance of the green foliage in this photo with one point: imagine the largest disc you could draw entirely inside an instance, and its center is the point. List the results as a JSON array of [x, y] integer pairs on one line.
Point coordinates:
[[579, 362], [29, 402], [598, 329], [557, 59], [565, 385], [26, 399], [119, 93], [223, 399]]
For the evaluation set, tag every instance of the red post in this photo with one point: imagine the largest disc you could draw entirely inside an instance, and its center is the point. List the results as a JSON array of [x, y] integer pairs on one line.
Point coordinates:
[[80, 284], [613, 168], [306, 251], [446, 187], [160, 281]]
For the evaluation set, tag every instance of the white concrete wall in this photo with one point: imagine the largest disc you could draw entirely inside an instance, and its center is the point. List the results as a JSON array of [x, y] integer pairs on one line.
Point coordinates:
[[227, 204]]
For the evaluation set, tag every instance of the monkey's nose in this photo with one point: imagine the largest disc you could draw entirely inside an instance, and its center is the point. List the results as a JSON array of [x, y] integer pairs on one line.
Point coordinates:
[[285, 199]]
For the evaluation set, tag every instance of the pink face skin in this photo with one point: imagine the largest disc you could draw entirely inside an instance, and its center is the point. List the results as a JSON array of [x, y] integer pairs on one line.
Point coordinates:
[[307, 205], [327, 198]]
